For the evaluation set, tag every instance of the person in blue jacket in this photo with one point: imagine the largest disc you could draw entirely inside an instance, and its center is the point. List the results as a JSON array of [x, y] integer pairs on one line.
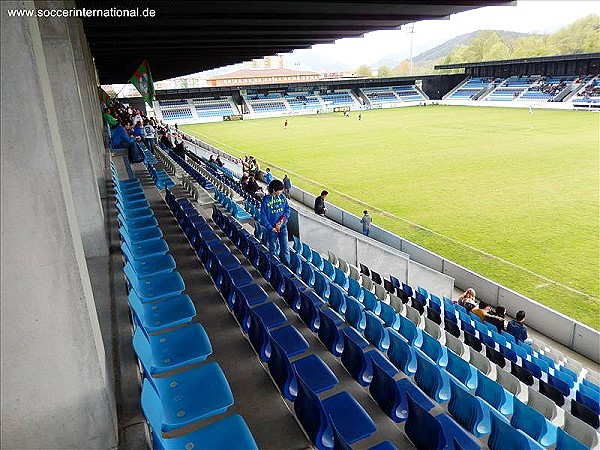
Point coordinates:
[[268, 176], [274, 215], [121, 140]]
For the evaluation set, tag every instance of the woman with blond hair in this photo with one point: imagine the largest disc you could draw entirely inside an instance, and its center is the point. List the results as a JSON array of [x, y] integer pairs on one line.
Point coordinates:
[[468, 299]]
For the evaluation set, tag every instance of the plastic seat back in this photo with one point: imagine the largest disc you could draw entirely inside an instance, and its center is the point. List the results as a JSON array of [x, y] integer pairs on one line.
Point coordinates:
[[533, 423], [371, 302], [410, 331], [432, 348], [431, 379], [355, 314], [503, 436], [495, 356], [552, 392], [329, 333], [355, 289], [584, 413], [462, 370], [389, 316], [312, 416], [467, 410], [541, 404], [566, 442], [480, 361], [451, 327], [322, 286], [354, 359], [494, 394], [454, 344], [419, 420], [341, 279], [401, 353], [376, 332], [337, 299], [521, 373], [282, 371], [581, 431]]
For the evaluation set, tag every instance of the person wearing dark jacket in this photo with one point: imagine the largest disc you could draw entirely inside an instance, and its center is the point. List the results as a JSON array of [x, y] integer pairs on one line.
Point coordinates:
[[497, 318], [274, 215], [320, 203], [518, 329]]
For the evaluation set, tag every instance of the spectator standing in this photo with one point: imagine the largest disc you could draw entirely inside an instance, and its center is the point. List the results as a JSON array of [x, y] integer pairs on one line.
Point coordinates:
[[137, 117], [149, 135], [179, 147], [287, 185], [320, 208], [274, 214], [518, 329], [268, 176], [366, 223]]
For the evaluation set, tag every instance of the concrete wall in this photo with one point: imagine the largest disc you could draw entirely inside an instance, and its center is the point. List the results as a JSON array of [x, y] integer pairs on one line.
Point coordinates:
[[56, 391]]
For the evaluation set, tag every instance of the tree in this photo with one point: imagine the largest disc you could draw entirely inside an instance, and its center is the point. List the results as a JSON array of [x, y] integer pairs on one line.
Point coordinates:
[[384, 72], [364, 71]]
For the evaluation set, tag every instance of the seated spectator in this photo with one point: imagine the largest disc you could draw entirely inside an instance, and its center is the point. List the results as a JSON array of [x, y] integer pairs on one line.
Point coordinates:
[[467, 300], [218, 161], [164, 139], [320, 208], [179, 147], [253, 188], [480, 311], [121, 140], [211, 159], [518, 329], [497, 318], [138, 131], [244, 181]]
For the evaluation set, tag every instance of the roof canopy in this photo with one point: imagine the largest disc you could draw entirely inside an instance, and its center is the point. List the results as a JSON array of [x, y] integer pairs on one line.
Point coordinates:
[[189, 37]]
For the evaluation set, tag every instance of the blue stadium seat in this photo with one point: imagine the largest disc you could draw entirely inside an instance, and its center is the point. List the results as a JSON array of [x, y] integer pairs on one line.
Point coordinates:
[[355, 314], [370, 301], [389, 316], [191, 396], [589, 399], [339, 443], [433, 380], [144, 249], [436, 351], [390, 394], [355, 289], [419, 419], [456, 436], [357, 361], [462, 370], [316, 416], [471, 412], [401, 353], [411, 333], [494, 394], [322, 286], [565, 442], [337, 299], [315, 373], [533, 423], [152, 265], [172, 349], [166, 313], [584, 413], [230, 432], [310, 304], [307, 273], [503, 436], [260, 335], [376, 332], [291, 294], [330, 332]]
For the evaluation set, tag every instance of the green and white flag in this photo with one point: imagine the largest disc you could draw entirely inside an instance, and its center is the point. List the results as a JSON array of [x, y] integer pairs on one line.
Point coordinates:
[[103, 96], [142, 80]]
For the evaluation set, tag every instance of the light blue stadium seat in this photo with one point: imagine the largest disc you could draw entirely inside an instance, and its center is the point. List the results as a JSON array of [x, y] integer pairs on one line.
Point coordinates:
[[588, 398], [230, 432], [190, 396], [330, 332], [376, 332], [533, 423], [152, 265], [172, 349], [316, 416], [401, 353], [389, 315], [166, 313], [341, 279], [503, 436], [409, 330], [322, 286], [156, 287], [471, 412], [144, 234], [355, 314], [355, 289], [436, 351], [494, 394], [328, 269], [390, 394], [144, 249], [315, 373], [565, 442], [462, 370], [370, 301], [433, 380]]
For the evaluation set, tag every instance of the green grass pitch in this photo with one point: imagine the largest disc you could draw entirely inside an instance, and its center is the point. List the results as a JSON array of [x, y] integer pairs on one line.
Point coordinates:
[[509, 195]]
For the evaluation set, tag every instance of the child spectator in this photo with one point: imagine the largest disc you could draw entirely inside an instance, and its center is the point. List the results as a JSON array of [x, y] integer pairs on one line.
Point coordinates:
[[274, 214]]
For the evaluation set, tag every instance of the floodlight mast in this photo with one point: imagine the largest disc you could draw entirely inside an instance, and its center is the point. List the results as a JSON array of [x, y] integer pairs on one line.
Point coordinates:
[[411, 30]]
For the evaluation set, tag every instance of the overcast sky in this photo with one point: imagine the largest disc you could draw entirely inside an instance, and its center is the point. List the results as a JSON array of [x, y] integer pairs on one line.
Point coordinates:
[[526, 16]]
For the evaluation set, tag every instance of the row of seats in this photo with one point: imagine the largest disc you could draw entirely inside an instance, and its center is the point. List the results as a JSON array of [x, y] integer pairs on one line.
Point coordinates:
[[165, 337], [362, 322], [160, 177], [303, 380]]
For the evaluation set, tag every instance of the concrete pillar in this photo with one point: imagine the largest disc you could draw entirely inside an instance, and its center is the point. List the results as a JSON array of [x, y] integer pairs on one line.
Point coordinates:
[[56, 390], [74, 117]]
